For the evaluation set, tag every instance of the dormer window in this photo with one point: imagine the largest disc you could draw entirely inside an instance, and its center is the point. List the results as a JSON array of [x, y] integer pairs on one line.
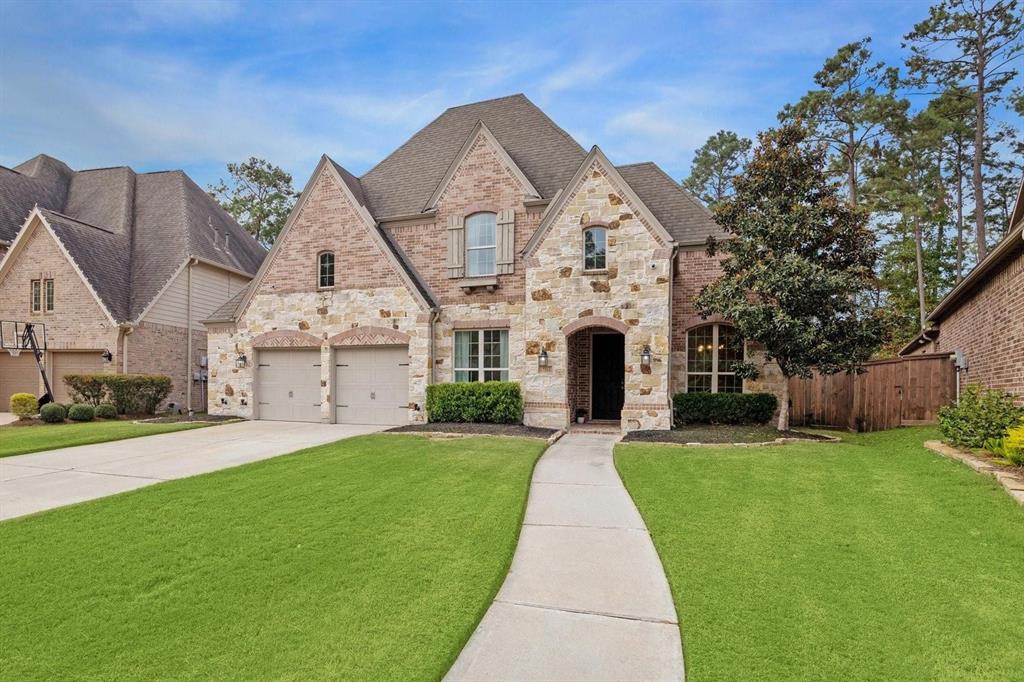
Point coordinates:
[[481, 245], [595, 248], [326, 279]]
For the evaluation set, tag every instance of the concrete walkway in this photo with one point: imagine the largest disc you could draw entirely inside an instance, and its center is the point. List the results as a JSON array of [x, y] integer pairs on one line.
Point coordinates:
[[54, 478], [586, 597], [7, 418]]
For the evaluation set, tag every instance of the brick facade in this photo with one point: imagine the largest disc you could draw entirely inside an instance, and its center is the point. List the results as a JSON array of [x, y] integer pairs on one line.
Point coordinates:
[[163, 349], [988, 327]]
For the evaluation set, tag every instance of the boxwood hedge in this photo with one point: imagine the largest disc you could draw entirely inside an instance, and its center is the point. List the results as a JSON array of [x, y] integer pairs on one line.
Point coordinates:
[[494, 402], [724, 408]]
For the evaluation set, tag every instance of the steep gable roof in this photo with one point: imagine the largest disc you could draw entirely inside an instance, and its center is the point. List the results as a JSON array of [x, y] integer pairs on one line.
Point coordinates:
[[686, 219], [128, 233], [403, 182]]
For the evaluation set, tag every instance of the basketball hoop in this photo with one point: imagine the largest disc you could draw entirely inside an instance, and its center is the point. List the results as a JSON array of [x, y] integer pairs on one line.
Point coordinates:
[[15, 352]]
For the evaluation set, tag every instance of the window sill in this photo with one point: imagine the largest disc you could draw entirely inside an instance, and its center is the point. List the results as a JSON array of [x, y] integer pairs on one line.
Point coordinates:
[[602, 271], [470, 284]]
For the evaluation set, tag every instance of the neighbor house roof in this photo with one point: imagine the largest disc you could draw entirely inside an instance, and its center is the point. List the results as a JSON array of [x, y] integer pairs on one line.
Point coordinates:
[[128, 233]]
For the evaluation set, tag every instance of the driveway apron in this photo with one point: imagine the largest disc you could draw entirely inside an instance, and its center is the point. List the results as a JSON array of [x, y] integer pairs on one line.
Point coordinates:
[[586, 597], [54, 478]]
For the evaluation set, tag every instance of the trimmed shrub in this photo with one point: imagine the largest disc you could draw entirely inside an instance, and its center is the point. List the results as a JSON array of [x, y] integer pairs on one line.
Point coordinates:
[[86, 388], [53, 413], [80, 412], [724, 408], [1013, 445], [137, 393], [492, 402], [980, 417], [24, 405], [106, 411], [129, 393]]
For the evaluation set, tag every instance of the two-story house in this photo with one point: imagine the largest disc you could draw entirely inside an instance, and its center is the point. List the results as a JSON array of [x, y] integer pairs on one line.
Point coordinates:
[[490, 245], [117, 270]]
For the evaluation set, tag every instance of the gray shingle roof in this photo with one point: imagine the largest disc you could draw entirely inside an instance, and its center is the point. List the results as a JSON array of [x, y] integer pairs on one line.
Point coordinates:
[[402, 183], [685, 218], [232, 307], [129, 233]]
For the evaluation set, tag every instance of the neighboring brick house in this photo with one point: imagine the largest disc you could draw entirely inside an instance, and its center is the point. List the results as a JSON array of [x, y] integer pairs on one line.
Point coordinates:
[[983, 316], [119, 268], [489, 246]]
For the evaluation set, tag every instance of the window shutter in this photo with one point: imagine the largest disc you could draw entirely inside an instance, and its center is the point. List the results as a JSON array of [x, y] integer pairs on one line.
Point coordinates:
[[506, 241], [456, 246]]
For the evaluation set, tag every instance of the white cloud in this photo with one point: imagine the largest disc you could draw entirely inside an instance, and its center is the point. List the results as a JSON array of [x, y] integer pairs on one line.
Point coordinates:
[[148, 12]]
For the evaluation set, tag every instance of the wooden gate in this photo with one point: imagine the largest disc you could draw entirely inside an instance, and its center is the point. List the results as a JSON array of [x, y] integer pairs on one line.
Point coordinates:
[[898, 392]]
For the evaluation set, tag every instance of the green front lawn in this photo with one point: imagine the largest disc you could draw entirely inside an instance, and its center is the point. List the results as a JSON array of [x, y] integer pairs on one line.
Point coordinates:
[[874, 559], [20, 440], [370, 558]]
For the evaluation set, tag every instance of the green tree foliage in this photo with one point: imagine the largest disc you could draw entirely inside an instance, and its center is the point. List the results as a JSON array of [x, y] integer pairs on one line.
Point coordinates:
[[259, 195], [849, 108], [715, 164], [970, 44], [799, 268]]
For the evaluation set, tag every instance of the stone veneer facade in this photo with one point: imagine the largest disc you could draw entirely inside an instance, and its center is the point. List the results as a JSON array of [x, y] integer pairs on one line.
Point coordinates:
[[547, 303]]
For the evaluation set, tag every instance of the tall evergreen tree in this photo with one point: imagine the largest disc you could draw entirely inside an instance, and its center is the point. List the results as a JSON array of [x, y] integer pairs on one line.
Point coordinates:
[[798, 272], [715, 164], [259, 195], [849, 108], [970, 43]]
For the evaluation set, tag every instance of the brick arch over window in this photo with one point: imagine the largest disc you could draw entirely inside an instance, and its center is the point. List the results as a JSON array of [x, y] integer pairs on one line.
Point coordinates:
[[286, 338], [369, 335], [595, 321], [693, 321]]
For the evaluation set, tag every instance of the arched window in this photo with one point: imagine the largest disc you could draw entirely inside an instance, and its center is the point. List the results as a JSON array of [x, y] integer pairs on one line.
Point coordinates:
[[595, 248], [326, 262], [481, 244], [711, 351]]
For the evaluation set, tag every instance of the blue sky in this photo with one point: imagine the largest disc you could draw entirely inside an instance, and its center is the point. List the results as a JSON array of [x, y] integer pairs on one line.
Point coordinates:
[[192, 84]]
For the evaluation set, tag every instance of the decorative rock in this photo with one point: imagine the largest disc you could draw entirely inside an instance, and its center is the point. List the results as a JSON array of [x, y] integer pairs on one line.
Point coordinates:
[[228, 391], [549, 346], [661, 280], [614, 225], [565, 272], [589, 312], [321, 311], [613, 271], [634, 288], [625, 216], [533, 347], [542, 295], [614, 199], [385, 313], [596, 285], [303, 325]]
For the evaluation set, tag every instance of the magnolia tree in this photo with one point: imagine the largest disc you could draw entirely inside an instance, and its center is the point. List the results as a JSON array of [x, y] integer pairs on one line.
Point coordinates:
[[798, 272]]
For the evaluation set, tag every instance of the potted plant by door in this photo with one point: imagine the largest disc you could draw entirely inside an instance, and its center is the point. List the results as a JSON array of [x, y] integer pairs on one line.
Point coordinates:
[[581, 416]]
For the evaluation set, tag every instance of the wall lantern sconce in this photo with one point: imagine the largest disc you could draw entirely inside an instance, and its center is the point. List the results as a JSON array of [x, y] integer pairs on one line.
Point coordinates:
[[107, 356], [645, 356], [542, 359], [241, 361]]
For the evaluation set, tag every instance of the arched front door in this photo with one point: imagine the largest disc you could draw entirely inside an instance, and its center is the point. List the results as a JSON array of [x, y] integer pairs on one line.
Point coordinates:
[[596, 368]]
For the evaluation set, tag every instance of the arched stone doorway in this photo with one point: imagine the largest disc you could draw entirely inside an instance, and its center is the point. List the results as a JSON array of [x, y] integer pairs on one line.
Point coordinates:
[[595, 368]]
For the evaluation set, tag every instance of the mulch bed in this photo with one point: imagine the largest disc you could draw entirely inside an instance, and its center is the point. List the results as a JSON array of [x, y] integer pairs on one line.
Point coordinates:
[[175, 418], [719, 433], [476, 429]]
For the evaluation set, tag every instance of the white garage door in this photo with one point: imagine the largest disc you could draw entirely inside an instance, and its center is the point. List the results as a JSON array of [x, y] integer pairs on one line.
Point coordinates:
[[80, 362], [17, 375], [371, 385], [288, 385]]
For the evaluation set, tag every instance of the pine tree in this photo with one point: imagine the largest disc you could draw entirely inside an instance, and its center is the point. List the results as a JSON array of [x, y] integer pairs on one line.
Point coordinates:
[[970, 43], [798, 272], [715, 164], [260, 197]]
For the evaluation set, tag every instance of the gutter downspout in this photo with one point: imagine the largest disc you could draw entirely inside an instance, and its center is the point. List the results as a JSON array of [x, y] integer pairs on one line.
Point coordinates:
[[126, 329], [188, 335], [435, 313], [673, 263]]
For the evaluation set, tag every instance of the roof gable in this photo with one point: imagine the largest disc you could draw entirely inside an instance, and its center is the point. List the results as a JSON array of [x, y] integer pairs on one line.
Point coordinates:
[[481, 132], [404, 182], [234, 309], [597, 160]]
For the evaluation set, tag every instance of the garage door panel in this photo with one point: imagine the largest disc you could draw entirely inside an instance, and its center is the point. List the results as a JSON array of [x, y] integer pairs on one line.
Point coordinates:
[[288, 385], [372, 385], [64, 363], [17, 375]]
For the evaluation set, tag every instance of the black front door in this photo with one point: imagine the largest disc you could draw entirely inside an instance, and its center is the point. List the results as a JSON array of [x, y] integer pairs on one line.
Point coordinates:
[[607, 375]]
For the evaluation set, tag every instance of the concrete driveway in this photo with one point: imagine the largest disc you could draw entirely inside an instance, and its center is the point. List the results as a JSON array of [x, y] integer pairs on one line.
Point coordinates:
[[7, 418], [54, 478]]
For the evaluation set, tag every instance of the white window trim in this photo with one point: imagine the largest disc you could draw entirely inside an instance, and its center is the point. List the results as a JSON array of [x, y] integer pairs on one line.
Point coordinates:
[[492, 247], [479, 368], [590, 229], [714, 373], [319, 266]]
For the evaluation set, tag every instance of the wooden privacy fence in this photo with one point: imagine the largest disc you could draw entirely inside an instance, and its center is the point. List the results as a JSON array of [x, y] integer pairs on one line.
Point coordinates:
[[899, 392]]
